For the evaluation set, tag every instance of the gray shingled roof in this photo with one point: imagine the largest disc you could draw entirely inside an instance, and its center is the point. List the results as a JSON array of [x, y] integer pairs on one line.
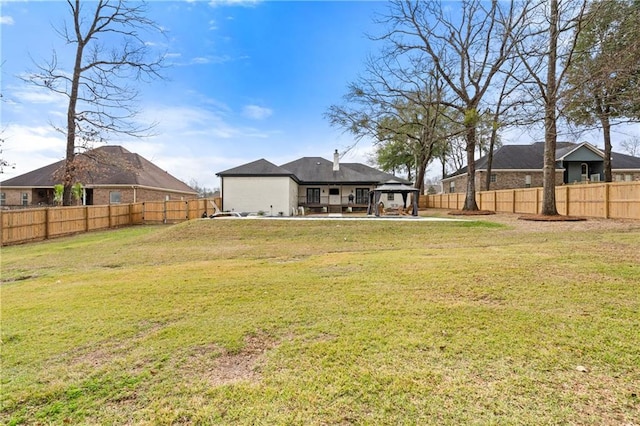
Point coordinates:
[[623, 161], [259, 167], [314, 170], [105, 165], [318, 170], [531, 157]]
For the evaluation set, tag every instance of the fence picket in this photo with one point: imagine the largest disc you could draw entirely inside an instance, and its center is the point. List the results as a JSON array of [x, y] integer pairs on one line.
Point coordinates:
[[618, 200], [19, 226]]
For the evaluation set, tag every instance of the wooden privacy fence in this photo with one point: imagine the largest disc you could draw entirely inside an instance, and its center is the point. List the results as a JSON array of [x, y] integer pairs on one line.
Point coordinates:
[[18, 226], [617, 200]]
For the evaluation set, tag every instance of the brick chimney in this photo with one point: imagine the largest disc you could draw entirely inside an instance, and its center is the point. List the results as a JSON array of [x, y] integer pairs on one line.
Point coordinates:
[[336, 161]]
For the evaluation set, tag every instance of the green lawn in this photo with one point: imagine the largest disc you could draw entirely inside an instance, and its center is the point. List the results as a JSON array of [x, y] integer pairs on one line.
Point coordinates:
[[323, 322]]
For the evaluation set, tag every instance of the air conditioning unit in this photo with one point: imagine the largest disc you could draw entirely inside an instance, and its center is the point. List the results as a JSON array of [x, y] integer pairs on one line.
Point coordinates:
[[595, 177]]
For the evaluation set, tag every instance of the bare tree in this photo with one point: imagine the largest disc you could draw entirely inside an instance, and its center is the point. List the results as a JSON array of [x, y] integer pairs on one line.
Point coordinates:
[[467, 52], [547, 53], [203, 191], [101, 86], [503, 112], [4, 163], [631, 146], [397, 105]]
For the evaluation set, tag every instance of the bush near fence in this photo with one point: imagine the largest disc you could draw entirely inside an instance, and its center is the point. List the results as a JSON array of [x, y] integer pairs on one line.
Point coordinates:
[[19, 226], [616, 200]]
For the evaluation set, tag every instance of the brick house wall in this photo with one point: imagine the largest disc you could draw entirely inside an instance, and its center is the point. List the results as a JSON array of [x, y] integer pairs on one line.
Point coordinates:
[[514, 179], [13, 197], [101, 196], [503, 180], [630, 176]]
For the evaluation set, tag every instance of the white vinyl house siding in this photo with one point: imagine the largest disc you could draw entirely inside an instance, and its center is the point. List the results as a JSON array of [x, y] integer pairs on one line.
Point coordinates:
[[270, 195]]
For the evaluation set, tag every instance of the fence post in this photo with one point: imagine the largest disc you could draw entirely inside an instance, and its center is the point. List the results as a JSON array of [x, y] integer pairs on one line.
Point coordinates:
[[606, 200], [566, 200], [86, 218], [164, 211], [513, 201], [110, 216], [46, 223]]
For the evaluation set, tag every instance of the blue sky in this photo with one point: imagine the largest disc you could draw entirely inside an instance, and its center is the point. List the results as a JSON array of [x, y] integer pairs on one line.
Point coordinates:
[[249, 80]]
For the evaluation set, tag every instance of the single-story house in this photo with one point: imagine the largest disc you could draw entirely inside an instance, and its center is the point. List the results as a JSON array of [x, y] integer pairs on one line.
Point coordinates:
[[520, 166], [108, 174], [309, 184]]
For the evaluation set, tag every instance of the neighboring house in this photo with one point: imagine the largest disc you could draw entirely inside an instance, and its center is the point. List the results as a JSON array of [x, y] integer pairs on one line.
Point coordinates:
[[520, 166], [308, 184], [108, 174]]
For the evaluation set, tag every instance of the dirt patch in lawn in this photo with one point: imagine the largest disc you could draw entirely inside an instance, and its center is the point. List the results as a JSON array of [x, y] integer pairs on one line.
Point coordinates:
[[219, 366]]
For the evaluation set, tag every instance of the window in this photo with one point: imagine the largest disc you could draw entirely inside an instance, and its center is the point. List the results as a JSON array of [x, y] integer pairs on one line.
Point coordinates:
[[527, 181], [584, 170], [452, 186], [25, 198], [114, 197], [3, 198], [628, 178], [362, 195], [493, 178], [313, 195], [390, 196], [334, 191]]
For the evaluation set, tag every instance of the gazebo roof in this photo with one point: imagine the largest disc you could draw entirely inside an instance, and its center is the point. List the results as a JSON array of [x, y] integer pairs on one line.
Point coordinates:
[[396, 187]]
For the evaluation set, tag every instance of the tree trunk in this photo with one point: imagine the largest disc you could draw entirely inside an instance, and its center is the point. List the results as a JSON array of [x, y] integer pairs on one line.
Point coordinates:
[[550, 131], [470, 198], [492, 144], [606, 131], [420, 173], [69, 172]]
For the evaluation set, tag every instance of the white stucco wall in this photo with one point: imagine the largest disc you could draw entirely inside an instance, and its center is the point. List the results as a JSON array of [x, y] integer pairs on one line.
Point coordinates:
[[270, 195]]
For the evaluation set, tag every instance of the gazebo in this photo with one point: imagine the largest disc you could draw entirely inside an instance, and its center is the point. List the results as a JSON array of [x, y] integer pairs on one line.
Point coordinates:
[[393, 188]]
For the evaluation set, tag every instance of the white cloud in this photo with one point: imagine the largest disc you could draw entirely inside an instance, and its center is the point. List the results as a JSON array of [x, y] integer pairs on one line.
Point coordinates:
[[37, 95], [244, 3], [256, 112], [6, 20], [30, 148], [203, 60]]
